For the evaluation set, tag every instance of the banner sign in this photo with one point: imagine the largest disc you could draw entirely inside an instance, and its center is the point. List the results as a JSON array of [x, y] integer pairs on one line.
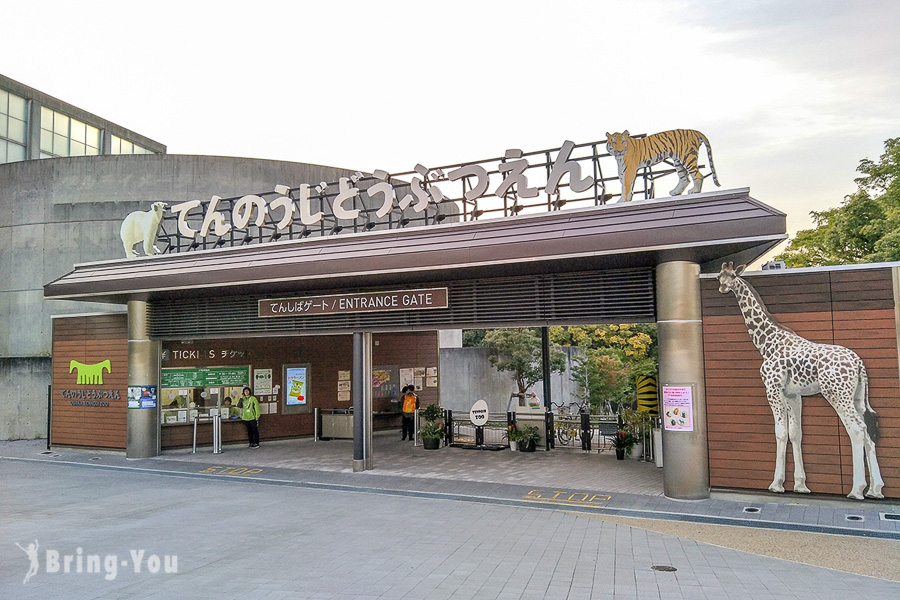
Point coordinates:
[[205, 377], [354, 303]]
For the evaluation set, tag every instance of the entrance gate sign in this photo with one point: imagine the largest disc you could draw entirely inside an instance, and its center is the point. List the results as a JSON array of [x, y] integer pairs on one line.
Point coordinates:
[[573, 175], [479, 413], [332, 304]]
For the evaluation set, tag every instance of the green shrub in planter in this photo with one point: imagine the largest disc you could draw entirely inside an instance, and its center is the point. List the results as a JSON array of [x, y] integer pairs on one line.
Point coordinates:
[[432, 431], [530, 436]]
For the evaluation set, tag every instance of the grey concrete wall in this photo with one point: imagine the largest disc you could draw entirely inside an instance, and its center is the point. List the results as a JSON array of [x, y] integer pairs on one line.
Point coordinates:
[[23, 398], [56, 213], [466, 376]]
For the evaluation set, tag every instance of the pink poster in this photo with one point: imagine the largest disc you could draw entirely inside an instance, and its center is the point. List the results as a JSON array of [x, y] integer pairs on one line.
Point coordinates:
[[678, 408]]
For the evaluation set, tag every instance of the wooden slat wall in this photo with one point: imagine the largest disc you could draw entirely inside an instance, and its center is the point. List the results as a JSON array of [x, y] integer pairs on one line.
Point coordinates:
[[850, 308], [90, 340], [326, 354]]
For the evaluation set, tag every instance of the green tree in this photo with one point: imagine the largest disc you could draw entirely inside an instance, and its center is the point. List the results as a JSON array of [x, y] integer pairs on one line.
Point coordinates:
[[473, 338], [518, 351], [864, 228], [605, 380], [634, 345]]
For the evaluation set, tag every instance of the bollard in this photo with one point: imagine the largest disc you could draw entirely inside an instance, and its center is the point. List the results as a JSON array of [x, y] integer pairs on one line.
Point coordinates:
[[194, 451], [549, 431], [217, 433], [316, 424], [448, 428]]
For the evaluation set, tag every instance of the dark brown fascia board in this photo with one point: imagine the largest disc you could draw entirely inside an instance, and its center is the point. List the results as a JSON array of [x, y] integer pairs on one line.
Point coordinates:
[[637, 234]]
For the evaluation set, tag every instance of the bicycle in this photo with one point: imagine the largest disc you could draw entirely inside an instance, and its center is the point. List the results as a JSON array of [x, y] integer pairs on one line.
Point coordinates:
[[568, 427]]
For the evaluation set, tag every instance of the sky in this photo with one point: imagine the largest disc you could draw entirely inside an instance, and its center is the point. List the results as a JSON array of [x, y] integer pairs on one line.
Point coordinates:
[[792, 94]]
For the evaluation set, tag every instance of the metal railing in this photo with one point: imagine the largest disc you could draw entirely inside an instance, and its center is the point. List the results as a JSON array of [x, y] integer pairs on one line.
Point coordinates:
[[216, 421]]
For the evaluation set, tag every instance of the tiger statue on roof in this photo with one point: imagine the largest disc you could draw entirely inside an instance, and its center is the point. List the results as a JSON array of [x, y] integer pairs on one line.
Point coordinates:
[[680, 146]]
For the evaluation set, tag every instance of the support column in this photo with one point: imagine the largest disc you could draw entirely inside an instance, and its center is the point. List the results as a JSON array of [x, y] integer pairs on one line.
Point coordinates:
[[143, 369], [686, 453], [545, 366], [361, 384]]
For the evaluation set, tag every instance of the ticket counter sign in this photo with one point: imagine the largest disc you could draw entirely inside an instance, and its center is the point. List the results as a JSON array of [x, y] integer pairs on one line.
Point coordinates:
[[678, 408], [199, 377]]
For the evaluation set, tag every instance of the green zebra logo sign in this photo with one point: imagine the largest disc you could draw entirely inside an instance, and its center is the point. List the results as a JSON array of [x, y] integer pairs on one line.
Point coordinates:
[[89, 374]]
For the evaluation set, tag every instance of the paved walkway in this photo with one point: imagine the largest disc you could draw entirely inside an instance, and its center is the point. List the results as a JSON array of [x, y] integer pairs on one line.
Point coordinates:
[[452, 523]]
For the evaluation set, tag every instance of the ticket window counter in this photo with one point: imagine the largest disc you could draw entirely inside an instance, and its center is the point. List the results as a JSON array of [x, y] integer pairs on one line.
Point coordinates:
[[179, 406]]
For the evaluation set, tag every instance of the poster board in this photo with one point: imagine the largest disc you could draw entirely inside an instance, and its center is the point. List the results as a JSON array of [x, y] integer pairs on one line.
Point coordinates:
[[296, 397], [678, 407], [386, 382]]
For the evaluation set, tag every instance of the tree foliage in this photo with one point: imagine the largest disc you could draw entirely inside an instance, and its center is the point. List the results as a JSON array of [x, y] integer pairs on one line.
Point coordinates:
[[518, 351], [614, 355], [864, 228], [632, 344], [605, 380]]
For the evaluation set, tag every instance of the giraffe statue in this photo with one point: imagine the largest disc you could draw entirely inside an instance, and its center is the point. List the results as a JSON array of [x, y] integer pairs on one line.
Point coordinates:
[[794, 367]]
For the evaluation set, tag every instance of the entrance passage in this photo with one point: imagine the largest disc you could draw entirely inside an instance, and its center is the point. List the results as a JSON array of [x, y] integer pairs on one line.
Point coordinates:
[[629, 262]]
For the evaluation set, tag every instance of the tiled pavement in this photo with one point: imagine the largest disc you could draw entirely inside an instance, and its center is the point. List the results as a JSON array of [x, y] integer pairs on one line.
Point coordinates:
[[451, 523]]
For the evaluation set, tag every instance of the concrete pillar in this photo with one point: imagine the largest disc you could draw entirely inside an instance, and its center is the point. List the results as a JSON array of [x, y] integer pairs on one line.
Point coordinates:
[[33, 138], [685, 453], [361, 384], [143, 369]]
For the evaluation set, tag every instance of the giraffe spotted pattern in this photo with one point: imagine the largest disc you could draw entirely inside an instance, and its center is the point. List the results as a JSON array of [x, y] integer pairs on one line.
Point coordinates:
[[794, 367]]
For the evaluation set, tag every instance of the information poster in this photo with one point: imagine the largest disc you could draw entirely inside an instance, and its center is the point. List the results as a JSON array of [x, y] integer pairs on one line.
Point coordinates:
[[385, 382], [134, 396], [205, 377], [148, 396], [678, 408], [262, 382], [295, 386], [407, 377]]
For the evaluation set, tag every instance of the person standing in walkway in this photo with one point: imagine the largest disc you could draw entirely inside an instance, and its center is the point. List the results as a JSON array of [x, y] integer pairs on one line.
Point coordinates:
[[249, 406], [409, 403]]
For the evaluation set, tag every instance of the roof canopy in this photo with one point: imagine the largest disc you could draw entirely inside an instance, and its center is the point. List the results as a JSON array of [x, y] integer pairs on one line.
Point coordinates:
[[704, 228]]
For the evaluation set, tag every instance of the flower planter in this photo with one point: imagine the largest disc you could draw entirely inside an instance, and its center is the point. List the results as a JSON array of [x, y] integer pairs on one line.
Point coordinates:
[[620, 453], [431, 443], [527, 446]]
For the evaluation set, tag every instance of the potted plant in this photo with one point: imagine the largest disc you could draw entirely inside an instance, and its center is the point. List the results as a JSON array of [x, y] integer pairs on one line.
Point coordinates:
[[530, 436], [638, 423], [433, 430], [515, 436], [622, 441]]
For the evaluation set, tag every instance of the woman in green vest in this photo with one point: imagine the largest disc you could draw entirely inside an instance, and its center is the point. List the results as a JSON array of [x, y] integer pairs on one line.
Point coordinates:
[[250, 414]]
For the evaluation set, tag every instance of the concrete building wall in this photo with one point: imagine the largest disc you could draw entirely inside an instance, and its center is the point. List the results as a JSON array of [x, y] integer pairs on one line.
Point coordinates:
[[467, 376], [58, 212], [23, 397]]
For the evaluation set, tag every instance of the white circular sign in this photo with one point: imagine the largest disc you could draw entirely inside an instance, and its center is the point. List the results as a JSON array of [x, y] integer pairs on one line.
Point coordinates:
[[479, 413]]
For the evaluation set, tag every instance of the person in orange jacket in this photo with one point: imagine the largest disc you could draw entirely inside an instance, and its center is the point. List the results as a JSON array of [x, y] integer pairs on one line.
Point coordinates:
[[409, 402]]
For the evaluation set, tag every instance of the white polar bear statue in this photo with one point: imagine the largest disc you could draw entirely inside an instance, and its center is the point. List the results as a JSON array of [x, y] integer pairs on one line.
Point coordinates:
[[142, 226]]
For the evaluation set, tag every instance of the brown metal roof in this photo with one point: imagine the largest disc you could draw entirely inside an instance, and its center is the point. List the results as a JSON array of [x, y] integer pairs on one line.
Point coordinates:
[[706, 228]]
